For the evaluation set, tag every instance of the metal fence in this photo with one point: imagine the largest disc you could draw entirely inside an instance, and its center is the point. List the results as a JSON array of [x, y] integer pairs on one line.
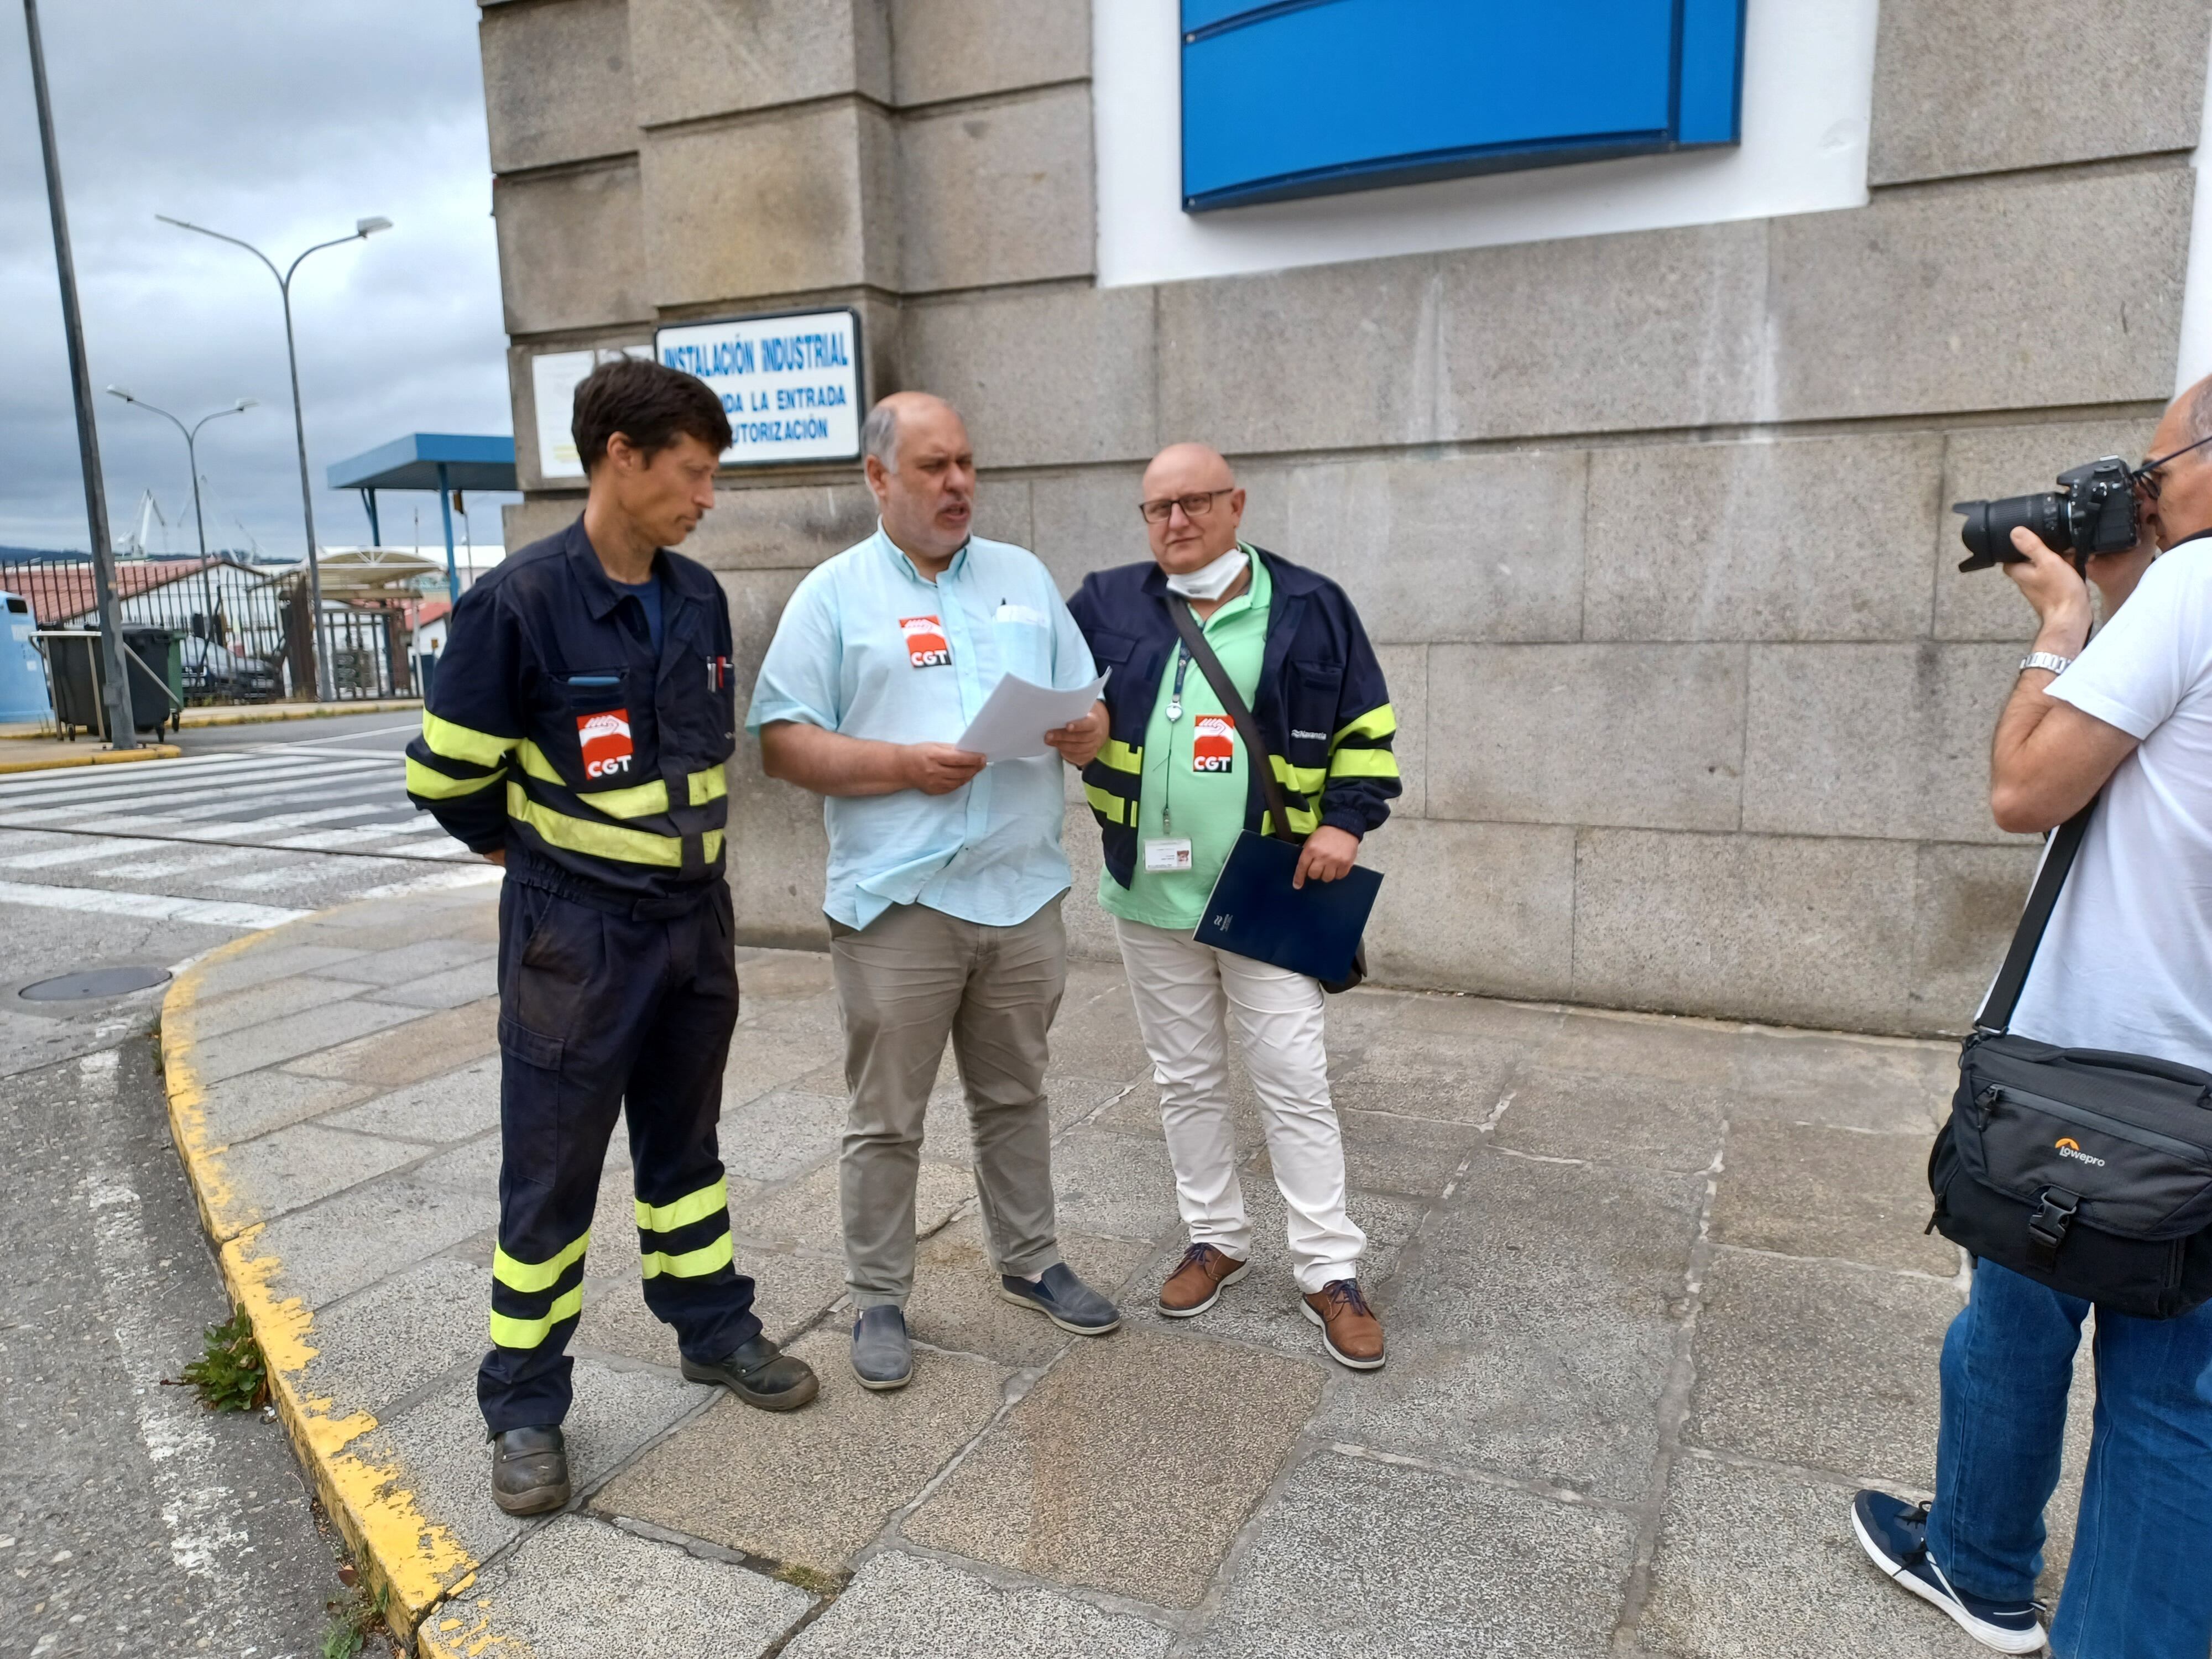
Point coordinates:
[[241, 630]]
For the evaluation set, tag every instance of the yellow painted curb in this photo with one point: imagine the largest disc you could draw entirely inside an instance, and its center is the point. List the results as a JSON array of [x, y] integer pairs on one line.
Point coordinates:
[[263, 713], [95, 757], [416, 1560]]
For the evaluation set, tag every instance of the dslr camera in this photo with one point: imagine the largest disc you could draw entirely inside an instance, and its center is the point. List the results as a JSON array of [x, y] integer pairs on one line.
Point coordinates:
[[2092, 511]]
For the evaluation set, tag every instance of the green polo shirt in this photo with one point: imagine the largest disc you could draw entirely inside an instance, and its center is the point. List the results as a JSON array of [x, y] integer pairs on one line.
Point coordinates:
[[1197, 772]]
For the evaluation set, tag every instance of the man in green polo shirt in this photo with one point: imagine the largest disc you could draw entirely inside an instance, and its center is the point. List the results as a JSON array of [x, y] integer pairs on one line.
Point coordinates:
[[1173, 788]]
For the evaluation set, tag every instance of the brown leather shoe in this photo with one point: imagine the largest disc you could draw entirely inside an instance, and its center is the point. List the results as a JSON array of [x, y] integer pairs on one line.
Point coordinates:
[[1197, 1282], [1349, 1329]]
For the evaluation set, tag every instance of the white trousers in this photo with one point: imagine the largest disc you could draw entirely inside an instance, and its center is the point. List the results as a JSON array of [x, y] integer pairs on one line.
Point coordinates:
[[1189, 998]]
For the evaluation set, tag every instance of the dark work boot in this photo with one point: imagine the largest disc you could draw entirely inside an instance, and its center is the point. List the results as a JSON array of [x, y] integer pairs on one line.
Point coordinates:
[[760, 1374], [529, 1470]]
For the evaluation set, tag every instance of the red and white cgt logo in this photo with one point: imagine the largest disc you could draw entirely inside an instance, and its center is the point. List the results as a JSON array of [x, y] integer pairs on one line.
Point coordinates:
[[1214, 745], [925, 642], [605, 740]]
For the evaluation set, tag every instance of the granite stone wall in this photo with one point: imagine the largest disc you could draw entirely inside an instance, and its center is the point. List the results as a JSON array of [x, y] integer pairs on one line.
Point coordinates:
[[1650, 528]]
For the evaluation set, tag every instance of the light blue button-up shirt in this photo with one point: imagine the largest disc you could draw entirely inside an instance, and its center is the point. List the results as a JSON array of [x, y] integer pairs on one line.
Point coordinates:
[[870, 648]]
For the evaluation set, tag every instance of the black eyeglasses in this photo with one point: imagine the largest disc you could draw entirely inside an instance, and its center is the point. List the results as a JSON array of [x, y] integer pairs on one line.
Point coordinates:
[[2146, 476], [1195, 506]]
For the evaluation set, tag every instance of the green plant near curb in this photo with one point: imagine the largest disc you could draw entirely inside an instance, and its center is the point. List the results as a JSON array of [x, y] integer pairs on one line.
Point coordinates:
[[352, 1620], [231, 1375]]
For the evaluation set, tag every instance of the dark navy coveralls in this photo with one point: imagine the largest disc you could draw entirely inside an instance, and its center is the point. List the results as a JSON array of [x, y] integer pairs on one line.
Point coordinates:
[[553, 732]]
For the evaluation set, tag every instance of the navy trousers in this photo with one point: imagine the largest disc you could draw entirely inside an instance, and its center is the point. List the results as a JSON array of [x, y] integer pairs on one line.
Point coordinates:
[[599, 1013]]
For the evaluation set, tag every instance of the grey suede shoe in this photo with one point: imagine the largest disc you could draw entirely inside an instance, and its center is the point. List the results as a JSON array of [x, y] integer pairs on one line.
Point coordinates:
[[1063, 1298], [883, 1358], [529, 1470]]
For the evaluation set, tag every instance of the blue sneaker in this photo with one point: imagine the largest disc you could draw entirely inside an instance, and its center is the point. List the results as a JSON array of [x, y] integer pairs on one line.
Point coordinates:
[[1063, 1298], [1895, 1536]]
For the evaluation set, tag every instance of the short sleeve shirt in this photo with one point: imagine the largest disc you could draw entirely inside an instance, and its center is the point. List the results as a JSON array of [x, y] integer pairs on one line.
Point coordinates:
[[2126, 961], [870, 649]]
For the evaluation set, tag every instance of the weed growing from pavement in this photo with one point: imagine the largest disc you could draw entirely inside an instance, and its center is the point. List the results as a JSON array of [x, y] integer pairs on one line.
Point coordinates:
[[231, 1375], [353, 1619]]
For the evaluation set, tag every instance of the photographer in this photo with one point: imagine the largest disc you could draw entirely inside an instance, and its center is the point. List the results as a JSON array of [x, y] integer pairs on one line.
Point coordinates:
[[2126, 964]]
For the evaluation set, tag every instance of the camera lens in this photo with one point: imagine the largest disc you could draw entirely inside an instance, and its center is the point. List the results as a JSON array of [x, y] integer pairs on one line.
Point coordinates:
[[1988, 530]]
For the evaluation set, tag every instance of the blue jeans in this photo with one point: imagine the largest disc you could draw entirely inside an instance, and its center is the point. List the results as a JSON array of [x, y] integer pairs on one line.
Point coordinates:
[[2140, 1583]]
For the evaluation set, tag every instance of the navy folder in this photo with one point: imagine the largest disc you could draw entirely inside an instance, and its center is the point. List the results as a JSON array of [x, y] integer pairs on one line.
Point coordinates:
[[1254, 911]]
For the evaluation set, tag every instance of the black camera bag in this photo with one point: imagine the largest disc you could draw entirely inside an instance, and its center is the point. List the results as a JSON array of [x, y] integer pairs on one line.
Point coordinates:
[[2086, 1170]]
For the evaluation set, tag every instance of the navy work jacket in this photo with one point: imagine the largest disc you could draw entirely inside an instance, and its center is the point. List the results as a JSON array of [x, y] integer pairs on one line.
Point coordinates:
[[1321, 703], [552, 729]]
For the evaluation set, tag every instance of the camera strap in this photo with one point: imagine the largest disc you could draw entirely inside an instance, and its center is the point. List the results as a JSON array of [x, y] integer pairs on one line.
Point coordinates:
[[2041, 900]]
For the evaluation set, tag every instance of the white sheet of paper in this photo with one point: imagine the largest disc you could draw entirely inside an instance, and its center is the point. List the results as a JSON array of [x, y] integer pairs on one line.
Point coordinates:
[[1013, 720]]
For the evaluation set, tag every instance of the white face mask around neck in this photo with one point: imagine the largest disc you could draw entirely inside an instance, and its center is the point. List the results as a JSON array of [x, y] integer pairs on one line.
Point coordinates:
[[1210, 582]]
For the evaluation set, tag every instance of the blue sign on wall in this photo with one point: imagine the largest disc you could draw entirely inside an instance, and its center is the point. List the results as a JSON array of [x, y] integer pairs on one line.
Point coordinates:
[[1309, 97]]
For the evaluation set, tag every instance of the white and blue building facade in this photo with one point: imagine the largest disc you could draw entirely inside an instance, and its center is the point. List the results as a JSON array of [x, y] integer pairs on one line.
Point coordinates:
[[1621, 359]]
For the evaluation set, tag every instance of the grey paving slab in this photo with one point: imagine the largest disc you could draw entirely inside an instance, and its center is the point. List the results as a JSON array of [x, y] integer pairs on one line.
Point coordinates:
[[762, 1059], [391, 1337], [1613, 1117], [255, 1102], [789, 1291], [1353, 1556], [461, 1103], [774, 1136], [1456, 1078], [1644, 1046], [1135, 1110], [1120, 1186], [1822, 1366], [439, 1444], [1754, 1564], [417, 959], [312, 1032], [579, 1589], [1531, 1330], [1095, 1033], [948, 1137], [429, 1045], [263, 962], [357, 1238], [1415, 1156], [1854, 1083], [449, 989], [901, 1605], [957, 1303], [810, 1488], [1082, 1485], [270, 999], [1806, 1190], [288, 1167]]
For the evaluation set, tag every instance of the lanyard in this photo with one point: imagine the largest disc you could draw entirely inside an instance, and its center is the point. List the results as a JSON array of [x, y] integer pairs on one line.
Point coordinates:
[[1175, 698], [1167, 772]]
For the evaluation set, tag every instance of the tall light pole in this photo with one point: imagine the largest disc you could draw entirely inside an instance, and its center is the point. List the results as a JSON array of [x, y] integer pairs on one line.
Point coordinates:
[[363, 230], [192, 457], [115, 692]]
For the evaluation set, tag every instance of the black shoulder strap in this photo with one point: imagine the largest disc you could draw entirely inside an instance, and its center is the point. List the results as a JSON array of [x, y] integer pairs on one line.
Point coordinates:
[[1255, 746], [2004, 994]]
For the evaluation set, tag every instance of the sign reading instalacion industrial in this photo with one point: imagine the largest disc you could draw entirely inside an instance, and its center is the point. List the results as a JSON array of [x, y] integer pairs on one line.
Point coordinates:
[[790, 383]]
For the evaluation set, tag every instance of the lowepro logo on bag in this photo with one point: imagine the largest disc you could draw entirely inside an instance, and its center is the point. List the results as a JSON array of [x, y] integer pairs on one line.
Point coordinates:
[[925, 646], [2070, 1147], [605, 738]]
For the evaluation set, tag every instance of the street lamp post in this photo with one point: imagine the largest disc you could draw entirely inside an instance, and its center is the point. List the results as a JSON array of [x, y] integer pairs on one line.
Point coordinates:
[[191, 456], [363, 228], [115, 679]]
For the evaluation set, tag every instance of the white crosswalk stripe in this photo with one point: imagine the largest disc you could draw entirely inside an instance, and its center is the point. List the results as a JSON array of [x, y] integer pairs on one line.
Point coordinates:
[[310, 823]]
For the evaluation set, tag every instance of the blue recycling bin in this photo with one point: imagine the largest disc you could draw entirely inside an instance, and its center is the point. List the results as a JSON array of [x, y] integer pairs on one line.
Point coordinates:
[[22, 672]]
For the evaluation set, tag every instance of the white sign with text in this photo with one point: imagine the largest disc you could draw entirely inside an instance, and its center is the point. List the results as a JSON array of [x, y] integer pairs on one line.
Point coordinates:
[[790, 384]]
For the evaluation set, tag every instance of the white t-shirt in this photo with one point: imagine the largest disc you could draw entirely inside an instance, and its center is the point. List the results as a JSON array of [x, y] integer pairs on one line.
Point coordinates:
[[2127, 961]]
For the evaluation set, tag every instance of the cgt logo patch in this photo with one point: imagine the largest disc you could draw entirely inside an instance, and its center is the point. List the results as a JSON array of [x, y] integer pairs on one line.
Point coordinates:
[[2070, 1147], [925, 642], [605, 738], [1213, 743]]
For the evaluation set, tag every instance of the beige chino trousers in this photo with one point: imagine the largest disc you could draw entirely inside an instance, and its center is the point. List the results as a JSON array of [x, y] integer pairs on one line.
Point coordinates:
[[911, 978]]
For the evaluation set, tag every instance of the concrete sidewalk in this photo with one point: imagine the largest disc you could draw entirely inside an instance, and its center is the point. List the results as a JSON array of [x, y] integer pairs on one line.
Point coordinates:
[[1657, 1291]]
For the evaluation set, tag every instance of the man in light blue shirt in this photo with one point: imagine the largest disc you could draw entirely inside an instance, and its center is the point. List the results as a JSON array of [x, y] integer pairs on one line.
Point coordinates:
[[945, 874]]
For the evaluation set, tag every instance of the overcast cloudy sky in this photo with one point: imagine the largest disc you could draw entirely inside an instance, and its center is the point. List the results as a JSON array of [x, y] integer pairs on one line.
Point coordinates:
[[282, 124]]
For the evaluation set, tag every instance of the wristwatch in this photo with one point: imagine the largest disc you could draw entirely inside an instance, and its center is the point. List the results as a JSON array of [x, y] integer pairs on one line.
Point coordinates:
[[2045, 659]]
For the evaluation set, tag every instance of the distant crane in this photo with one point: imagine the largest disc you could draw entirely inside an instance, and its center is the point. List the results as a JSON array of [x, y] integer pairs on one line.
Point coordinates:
[[149, 514]]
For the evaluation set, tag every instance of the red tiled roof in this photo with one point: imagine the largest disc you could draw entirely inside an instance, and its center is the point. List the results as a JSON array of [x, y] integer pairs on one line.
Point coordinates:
[[59, 593]]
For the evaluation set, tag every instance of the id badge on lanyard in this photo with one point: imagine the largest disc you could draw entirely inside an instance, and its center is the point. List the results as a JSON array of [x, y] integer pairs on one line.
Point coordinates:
[[1170, 852]]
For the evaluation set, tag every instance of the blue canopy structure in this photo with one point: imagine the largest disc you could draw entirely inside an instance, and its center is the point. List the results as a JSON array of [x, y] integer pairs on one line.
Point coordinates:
[[443, 461]]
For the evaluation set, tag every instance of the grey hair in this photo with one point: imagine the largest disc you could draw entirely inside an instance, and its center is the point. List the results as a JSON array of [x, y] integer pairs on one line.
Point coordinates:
[[2200, 409], [879, 435]]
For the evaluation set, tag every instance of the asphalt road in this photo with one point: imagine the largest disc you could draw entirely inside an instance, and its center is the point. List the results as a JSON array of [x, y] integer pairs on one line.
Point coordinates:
[[133, 1521]]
